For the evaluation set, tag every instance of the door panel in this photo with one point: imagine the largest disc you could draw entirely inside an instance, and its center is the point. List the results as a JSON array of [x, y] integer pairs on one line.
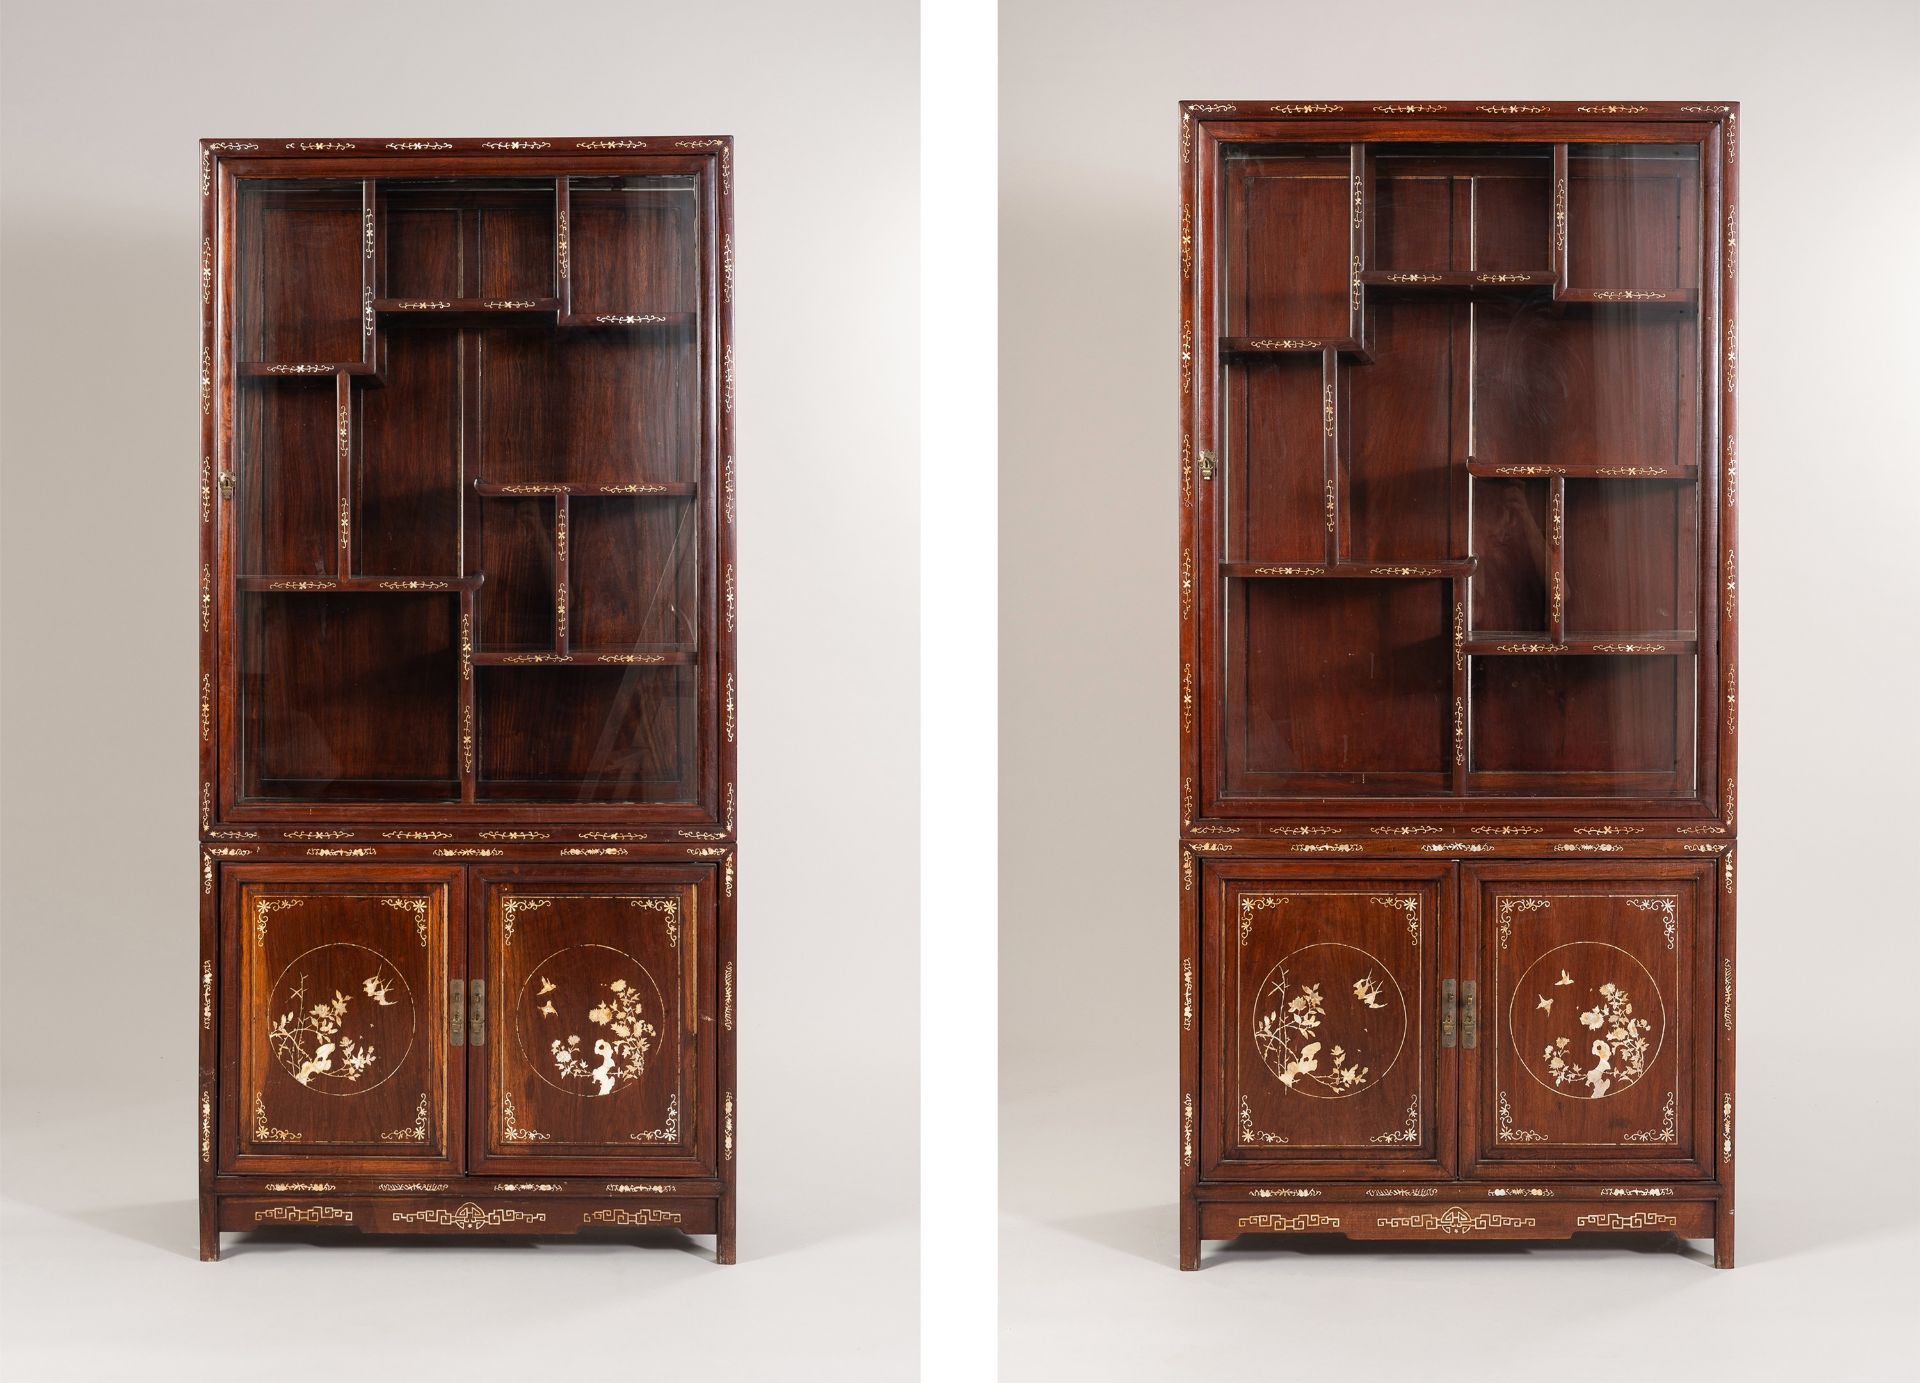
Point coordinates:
[[1323, 1018], [336, 1023], [1586, 1046], [598, 1008]]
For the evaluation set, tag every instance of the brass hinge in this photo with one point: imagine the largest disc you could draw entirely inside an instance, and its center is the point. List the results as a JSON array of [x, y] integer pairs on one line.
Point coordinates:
[[226, 485], [1469, 1020], [1447, 1004], [1206, 465], [456, 1012], [477, 1014]]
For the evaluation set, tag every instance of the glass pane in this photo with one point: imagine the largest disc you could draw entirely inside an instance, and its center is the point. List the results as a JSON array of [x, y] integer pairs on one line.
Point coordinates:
[[467, 440], [1461, 553]]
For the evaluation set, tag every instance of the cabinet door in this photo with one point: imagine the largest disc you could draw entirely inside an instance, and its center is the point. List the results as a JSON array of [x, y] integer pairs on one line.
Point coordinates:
[[1587, 1055], [599, 1016], [335, 1018], [1321, 1014]]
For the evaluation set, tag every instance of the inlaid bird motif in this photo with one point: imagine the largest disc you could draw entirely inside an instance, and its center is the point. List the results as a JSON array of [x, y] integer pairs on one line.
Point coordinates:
[[1565, 978], [1545, 1003], [377, 991], [547, 986], [547, 1008]]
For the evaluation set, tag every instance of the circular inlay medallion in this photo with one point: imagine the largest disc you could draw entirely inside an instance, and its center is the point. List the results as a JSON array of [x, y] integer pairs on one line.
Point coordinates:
[[587, 1018], [1329, 1020], [1587, 1020], [340, 1019]]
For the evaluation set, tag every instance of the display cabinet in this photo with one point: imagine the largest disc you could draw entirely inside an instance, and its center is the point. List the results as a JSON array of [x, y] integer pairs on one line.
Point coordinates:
[[468, 707], [1457, 695]]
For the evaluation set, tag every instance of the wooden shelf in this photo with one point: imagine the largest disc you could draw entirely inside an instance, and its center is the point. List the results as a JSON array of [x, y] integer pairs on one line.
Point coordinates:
[[360, 585], [1284, 345], [1546, 471], [608, 657], [1517, 645], [1626, 297], [467, 311], [539, 489], [250, 369], [1454, 280], [1416, 571], [628, 321]]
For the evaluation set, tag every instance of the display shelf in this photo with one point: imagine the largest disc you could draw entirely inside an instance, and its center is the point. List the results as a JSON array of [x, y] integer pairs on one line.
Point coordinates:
[[361, 585], [1592, 470], [585, 657], [639, 489], [1480, 643], [1348, 570]]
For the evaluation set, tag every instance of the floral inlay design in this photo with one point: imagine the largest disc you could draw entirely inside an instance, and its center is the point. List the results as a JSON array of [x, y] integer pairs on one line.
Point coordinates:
[[1294, 1033], [1621, 1039], [416, 1132], [669, 1132], [510, 908], [1408, 1132], [330, 1042], [1509, 1132], [1663, 906], [1414, 1193], [510, 1125], [1267, 1193], [301, 1186], [1636, 1190], [1248, 1133], [263, 908], [265, 1132], [622, 1053], [1666, 1133], [418, 906], [1503, 914]]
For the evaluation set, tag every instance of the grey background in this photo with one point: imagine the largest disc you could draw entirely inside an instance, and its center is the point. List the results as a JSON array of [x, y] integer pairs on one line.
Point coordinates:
[[1088, 559], [103, 104]]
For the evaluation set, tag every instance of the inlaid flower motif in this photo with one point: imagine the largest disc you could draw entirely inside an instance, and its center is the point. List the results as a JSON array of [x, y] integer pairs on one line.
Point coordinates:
[[622, 1052]]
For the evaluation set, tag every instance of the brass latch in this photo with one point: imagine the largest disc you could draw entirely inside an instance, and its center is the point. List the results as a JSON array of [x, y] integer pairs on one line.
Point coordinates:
[[226, 485], [1469, 1022], [1206, 465], [1447, 1005], [456, 1012], [477, 1014]]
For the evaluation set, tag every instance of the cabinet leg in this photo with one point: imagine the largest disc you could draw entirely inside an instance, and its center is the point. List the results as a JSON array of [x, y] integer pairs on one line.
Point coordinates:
[[1189, 1236], [209, 1230], [1722, 1239], [724, 1247]]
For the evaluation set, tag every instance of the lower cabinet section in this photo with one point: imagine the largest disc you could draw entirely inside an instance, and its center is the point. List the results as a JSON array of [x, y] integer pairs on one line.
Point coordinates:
[[518, 1048], [1437, 1050]]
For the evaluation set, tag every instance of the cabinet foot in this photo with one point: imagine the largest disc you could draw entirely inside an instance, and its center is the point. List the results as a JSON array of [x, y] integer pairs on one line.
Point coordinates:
[[1189, 1237], [1723, 1241], [724, 1243]]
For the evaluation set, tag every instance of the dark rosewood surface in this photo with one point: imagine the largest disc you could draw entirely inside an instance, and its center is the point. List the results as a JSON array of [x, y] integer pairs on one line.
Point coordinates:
[[467, 696], [1458, 605]]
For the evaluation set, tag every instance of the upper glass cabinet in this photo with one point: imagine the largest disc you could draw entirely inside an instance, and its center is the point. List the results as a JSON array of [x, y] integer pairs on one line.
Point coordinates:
[[1448, 537], [470, 454]]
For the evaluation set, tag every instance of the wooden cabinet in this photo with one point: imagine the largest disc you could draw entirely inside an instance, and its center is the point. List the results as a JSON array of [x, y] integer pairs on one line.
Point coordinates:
[[1457, 677], [468, 703]]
